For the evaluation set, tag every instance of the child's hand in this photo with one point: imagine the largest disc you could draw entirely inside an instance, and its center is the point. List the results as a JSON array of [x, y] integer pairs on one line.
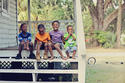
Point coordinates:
[[28, 48], [70, 33]]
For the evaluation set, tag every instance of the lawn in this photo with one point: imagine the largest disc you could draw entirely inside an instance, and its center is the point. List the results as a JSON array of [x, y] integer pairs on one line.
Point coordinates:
[[108, 69]]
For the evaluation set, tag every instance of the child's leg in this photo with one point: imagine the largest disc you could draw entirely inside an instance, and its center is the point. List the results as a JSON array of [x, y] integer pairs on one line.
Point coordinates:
[[45, 51], [27, 45], [50, 50], [21, 46], [38, 50], [31, 47], [73, 55], [74, 52], [67, 52], [32, 55], [57, 46]]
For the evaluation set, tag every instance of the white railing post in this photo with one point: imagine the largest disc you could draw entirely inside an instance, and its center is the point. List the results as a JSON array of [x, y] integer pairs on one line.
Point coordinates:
[[34, 75], [80, 41]]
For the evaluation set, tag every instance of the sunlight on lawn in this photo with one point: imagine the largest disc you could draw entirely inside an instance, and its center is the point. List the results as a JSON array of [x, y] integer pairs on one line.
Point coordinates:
[[113, 72]]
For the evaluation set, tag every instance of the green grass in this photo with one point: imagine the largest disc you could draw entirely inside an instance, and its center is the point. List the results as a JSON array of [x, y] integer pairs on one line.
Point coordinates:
[[105, 73]]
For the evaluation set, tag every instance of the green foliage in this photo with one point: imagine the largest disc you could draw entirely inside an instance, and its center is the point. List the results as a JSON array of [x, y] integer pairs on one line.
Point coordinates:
[[106, 39], [86, 3], [100, 36], [22, 10], [87, 20], [46, 10]]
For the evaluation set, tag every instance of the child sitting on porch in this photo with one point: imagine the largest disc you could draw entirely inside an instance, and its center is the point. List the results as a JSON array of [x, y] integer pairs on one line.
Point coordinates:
[[70, 42], [42, 41], [57, 37], [25, 42]]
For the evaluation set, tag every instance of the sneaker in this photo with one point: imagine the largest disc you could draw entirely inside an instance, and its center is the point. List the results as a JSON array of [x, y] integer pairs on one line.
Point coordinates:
[[32, 56], [18, 56]]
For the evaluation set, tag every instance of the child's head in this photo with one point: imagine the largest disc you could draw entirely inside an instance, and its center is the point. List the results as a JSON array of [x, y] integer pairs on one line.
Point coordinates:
[[70, 29], [55, 25], [23, 27], [41, 29]]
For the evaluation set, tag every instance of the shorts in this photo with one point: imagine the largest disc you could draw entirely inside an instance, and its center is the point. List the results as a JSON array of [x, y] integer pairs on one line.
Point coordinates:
[[71, 49], [61, 45], [30, 45], [42, 47]]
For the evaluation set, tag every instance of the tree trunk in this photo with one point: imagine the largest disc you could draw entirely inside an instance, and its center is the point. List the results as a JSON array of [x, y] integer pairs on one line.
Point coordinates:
[[109, 19], [94, 16], [119, 19], [100, 9], [97, 14]]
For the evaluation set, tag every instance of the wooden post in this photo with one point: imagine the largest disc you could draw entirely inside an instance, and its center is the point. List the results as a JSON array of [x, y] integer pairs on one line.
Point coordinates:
[[29, 24], [80, 41], [17, 29]]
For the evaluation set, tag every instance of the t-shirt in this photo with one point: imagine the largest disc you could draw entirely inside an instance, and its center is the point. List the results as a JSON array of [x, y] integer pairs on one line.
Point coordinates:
[[26, 37], [70, 42], [56, 36], [43, 38]]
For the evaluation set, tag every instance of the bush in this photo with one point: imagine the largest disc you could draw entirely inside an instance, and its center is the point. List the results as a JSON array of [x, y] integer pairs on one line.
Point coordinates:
[[105, 39]]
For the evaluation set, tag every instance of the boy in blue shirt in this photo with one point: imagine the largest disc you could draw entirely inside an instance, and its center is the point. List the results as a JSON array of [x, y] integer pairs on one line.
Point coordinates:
[[25, 42]]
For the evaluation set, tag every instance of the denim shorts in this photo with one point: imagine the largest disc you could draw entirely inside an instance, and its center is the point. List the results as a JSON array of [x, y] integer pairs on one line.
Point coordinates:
[[61, 45], [71, 49]]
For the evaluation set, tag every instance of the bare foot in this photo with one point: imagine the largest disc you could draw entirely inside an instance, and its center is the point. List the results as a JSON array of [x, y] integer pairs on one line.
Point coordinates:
[[68, 57], [73, 58], [38, 58], [64, 58], [52, 57], [45, 57]]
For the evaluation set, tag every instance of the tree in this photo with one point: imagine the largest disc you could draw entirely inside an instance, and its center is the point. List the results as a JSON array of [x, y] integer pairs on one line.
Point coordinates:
[[46, 10], [101, 18], [22, 10], [119, 19]]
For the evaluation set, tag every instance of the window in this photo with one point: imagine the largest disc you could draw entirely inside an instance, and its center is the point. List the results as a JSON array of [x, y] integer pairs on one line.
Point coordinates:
[[4, 7], [0, 6]]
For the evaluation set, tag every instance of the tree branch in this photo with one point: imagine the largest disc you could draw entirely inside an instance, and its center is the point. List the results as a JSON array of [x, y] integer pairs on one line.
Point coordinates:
[[111, 17], [107, 2]]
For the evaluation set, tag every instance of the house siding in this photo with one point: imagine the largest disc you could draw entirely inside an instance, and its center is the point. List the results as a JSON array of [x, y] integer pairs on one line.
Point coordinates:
[[8, 26]]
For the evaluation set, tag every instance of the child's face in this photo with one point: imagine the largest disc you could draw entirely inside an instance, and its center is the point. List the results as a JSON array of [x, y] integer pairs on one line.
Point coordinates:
[[24, 28], [55, 26], [41, 31], [70, 30]]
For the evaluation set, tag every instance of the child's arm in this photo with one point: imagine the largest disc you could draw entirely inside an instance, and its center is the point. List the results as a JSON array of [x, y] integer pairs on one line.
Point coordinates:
[[20, 38], [73, 36], [27, 45], [62, 37], [30, 38], [67, 37], [63, 40]]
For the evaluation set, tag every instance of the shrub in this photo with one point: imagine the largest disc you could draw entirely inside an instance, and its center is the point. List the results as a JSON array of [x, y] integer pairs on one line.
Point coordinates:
[[105, 39]]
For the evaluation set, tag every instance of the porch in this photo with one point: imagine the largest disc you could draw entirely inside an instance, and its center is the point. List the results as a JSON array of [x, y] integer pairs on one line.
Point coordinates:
[[38, 70]]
